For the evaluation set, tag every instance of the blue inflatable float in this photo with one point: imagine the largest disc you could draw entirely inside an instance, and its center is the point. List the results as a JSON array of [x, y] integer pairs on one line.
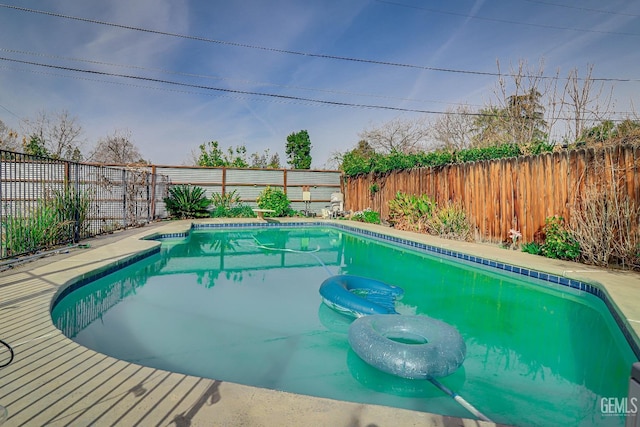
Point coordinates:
[[414, 347], [359, 296]]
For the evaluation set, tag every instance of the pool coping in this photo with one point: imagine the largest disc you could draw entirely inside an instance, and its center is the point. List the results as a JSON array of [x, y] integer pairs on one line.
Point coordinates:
[[54, 381]]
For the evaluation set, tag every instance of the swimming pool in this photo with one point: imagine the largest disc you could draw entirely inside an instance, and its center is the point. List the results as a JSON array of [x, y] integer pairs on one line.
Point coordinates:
[[228, 304]]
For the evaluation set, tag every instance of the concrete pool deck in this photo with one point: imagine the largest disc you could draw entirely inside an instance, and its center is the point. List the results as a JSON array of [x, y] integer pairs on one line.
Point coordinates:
[[56, 382]]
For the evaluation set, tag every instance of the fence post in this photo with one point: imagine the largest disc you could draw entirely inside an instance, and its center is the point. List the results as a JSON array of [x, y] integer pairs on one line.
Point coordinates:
[[76, 205], [153, 191], [124, 198], [3, 251], [224, 181], [284, 181], [146, 183]]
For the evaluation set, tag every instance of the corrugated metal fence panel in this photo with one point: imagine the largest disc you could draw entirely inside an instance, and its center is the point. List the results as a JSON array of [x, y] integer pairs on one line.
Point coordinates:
[[274, 177], [191, 175], [303, 177], [249, 183], [209, 190], [318, 194], [246, 194]]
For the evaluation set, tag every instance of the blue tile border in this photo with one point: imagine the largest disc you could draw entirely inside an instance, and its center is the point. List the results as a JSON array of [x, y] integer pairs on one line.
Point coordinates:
[[546, 277]]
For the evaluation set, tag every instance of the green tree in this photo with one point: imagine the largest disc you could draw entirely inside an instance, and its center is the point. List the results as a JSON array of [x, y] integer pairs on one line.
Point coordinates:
[[526, 117], [35, 147], [298, 150], [490, 127], [265, 160], [600, 133], [520, 122], [8, 138], [364, 149], [212, 155]]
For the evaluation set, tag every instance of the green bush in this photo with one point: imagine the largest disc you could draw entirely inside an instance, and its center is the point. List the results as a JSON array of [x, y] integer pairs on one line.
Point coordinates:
[[51, 222], [226, 200], [356, 163], [422, 214], [72, 207], [532, 248], [558, 241], [451, 222], [229, 205], [409, 212], [238, 211], [276, 200], [242, 211], [35, 230], [185, 201], [366, 215]]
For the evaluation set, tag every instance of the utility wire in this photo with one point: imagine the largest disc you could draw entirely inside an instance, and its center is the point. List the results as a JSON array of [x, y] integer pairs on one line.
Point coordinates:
[[293, 52], [586, 9], [218, 89], [278, 97], [211, 77], [506, 21]]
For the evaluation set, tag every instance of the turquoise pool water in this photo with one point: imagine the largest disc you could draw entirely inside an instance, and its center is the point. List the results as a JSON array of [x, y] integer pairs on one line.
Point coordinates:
[[242, 305]]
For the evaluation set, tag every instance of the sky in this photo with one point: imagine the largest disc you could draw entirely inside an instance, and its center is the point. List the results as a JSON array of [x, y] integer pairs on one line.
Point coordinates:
[[179, 73]]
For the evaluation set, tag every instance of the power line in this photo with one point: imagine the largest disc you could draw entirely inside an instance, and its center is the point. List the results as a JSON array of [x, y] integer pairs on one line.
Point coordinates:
[[506, 21], [277, 97], [218, 89], [210, 77], [608, 12], [9, 111], [293, 52]]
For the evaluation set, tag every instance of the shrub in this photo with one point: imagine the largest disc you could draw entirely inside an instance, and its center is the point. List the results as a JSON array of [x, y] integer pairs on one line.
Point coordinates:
[[422, 214], [276, 200], [32, 231], [238, 211], [72, 207], [558, 241], [366, 215], [226, 200], [185, 201], [229, 205], [451, 222], [409, 212], [532, 248], [51, 222], [604, 223]]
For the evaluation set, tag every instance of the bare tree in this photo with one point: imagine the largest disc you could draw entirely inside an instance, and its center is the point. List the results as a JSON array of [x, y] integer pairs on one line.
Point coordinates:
[[117, 149], [585, 102], [405, 136], [455, 129], [8, 138], [519, 95], [554, 106], [59, 132]]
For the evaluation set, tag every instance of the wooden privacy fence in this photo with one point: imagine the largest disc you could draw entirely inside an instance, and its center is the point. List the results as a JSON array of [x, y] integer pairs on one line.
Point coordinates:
[[514, 193]]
